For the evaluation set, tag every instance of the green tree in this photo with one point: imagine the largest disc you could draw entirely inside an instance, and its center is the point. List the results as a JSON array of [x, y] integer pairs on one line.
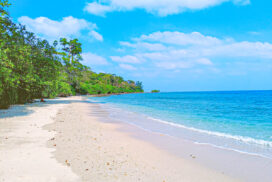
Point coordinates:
[[31, 68], [71, 57]]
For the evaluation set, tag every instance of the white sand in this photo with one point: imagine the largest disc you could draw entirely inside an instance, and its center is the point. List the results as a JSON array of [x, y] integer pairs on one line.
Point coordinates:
[[86, 149], [24, 155]]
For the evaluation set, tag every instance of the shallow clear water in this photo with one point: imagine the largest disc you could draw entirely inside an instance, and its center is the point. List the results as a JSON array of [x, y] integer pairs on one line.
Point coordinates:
[[240, 120]]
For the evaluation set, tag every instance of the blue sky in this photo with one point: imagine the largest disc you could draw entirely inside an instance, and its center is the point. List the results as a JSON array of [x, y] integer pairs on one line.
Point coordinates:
[[171, 45]]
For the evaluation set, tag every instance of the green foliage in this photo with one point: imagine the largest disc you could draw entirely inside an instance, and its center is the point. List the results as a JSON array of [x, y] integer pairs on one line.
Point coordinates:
[[3, 5], [64, 89], [155, 91], [31, 68]]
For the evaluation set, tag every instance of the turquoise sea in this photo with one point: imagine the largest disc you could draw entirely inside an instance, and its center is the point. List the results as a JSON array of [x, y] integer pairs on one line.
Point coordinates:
[[234, 120]]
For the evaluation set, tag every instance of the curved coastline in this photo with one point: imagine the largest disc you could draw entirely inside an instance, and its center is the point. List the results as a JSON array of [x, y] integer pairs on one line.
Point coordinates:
[[85, 140], [248, 164], [246, 145]]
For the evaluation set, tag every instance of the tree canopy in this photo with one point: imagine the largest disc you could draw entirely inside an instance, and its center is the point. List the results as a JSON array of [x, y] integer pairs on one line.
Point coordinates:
[[155, 91], [31, 68]]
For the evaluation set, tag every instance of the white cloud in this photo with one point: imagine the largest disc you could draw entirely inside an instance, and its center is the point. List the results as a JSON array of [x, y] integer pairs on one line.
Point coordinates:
[[174, 65], [126, 59], [97, 9], [144, 45], [197, 45], [180, 50], [180, 38], [204, 61], [127, 67], [91, 59], [67, 27], [159, 7], [96, 35], [259, 50]]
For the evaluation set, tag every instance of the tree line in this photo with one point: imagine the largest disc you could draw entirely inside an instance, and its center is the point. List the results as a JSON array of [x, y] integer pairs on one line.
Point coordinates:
[[31, 68]]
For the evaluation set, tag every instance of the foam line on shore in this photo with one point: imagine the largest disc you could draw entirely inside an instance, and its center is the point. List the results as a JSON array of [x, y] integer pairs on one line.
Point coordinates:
[[247, 140]]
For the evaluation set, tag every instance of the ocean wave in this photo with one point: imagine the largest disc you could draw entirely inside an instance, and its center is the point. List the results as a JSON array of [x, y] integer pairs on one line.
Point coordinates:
[[247, 140]]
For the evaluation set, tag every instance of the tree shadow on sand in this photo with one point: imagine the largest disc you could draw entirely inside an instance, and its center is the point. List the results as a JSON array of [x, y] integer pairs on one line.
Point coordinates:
[[25, 109]]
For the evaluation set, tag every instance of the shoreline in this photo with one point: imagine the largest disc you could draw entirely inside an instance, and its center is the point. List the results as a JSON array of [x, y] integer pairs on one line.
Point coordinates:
[[150, 120], [107, 95], [38, 100], [215, 157], [83, 142], [118, 154]]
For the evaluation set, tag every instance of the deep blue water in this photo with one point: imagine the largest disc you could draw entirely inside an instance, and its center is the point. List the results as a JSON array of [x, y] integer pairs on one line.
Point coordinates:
[[245, 116]]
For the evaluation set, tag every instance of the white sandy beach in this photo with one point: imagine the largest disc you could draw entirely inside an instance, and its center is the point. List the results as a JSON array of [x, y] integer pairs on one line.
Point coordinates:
[[24, 155], [62, 141]]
